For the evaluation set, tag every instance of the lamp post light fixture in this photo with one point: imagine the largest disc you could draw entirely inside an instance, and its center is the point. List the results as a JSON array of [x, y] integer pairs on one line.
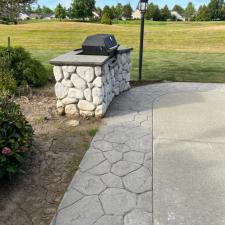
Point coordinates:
[[142, 6]]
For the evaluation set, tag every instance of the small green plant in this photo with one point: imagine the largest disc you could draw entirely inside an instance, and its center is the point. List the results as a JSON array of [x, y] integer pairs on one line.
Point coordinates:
[[85, 145], [106, 19], [23, 67], [92, 132], [15, 137], [74, 165]]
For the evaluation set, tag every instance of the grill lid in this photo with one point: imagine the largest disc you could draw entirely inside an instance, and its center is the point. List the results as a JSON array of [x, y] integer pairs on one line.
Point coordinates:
[[100, 44]]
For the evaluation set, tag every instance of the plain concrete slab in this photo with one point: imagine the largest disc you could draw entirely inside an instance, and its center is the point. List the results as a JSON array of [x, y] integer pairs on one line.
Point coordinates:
[[189, 159], [198, 116], [188, 183]]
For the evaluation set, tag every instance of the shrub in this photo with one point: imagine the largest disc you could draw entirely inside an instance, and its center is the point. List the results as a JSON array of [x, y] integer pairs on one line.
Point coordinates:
[[106, 19], [7, 82], [24, 68], [15, 137]]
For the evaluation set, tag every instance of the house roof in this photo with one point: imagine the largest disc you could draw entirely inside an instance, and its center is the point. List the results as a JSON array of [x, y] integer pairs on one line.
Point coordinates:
[[177, 15], [34, 15]]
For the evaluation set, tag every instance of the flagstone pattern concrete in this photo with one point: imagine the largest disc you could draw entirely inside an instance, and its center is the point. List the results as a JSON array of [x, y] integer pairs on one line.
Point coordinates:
[[113, 185]]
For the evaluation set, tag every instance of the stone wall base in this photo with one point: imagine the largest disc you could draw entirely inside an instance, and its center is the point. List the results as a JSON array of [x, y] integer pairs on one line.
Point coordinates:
[[88, 90]]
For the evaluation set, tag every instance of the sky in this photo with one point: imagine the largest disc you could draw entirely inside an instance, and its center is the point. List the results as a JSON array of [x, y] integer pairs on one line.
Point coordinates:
[[102, 3]]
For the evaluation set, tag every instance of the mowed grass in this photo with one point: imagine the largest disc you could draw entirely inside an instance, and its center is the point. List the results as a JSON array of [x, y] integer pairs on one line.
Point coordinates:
[[173, 51]]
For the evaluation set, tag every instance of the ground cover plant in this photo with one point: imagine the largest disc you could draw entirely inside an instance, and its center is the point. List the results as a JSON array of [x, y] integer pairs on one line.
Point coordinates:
[[175, 51], [15, 137]]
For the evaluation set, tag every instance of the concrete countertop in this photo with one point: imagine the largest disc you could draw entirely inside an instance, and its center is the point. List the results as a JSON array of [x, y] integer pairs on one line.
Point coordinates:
[[75, 58]]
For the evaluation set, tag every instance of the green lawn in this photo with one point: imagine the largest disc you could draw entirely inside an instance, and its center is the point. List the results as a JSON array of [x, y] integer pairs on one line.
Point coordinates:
[[173, 51]]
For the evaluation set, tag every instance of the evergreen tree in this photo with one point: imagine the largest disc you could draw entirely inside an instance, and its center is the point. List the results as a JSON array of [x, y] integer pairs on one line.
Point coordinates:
[[153, 12], [107, 10], [189, 11], [118, 11], [69, 13], [127, 11], [106, 18], [203, 14], [82, 9], [178, 9], [215, 9], [223, 13], [113, 12], [60, 12], [165, 13]]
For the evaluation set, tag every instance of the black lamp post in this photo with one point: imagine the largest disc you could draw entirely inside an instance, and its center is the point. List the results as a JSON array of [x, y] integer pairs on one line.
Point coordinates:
[[143, 5]]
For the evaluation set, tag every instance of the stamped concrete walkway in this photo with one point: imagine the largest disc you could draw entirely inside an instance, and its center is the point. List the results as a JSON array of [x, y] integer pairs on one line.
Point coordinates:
[[114, 183]]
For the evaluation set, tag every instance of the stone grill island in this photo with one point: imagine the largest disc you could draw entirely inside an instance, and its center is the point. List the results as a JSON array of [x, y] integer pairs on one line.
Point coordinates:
[[86, 84]]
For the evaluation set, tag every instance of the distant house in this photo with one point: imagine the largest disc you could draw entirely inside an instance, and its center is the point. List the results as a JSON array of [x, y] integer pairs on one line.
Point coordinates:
[[48, 17], [23, 16], [136, 14], [35, 16], [177, 16], [95, 15]]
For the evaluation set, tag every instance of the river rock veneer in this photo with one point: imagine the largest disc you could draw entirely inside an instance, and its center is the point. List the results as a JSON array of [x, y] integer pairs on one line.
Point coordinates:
[[86, 85]]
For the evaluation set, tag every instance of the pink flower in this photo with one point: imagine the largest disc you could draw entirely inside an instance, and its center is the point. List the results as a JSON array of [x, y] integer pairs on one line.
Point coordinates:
[[6, 151]]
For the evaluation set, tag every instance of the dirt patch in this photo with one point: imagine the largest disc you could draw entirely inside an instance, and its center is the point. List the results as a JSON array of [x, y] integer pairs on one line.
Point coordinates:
[[33, 197]]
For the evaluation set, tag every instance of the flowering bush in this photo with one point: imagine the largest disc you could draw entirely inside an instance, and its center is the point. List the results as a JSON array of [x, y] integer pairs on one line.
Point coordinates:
[[15, 137]]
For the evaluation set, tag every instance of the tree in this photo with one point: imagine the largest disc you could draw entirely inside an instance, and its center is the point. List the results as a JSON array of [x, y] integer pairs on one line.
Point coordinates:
[[10, 9], [223, 13], [106, 18], [165, 13], [119, 11], [127, 11], [107, 10], [203, 14], [82, 9], [153, 12], [60, 12], [178, 9], [38, 10], [189, 11], [41, 10], [69, 13], [29, 9], [113, 12], [46, 10], [215, 9]]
